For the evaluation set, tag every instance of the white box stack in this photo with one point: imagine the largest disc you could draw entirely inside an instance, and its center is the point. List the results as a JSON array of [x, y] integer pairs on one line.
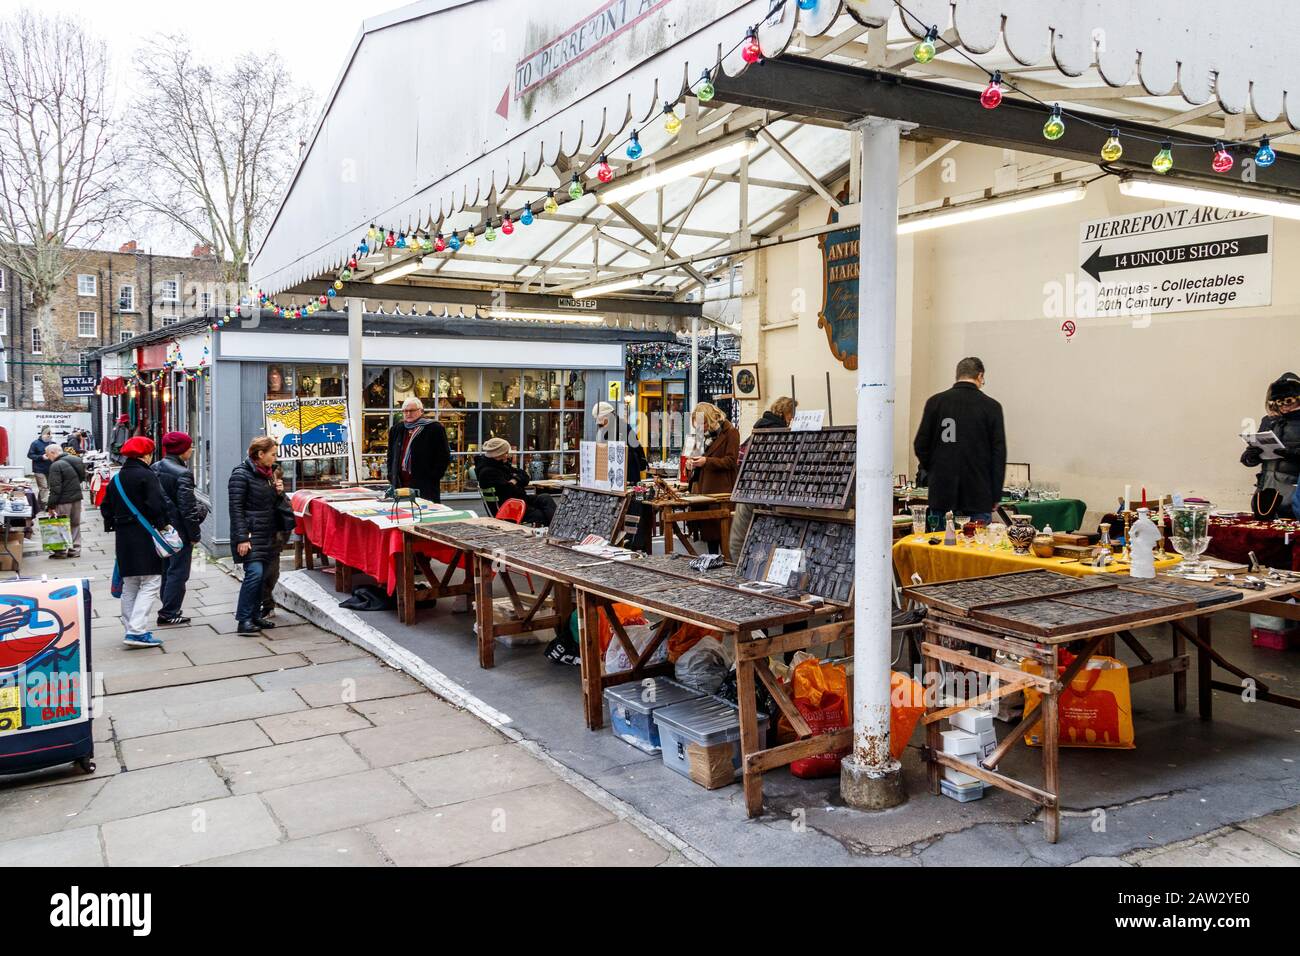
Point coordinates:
[[970, 740]]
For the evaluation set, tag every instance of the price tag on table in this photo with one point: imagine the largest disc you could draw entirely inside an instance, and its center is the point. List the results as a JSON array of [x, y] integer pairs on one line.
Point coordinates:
[[809, 421], [785, 562]]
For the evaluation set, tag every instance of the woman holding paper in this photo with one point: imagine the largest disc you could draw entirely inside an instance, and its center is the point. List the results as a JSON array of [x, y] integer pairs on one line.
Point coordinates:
[[1275, 486]]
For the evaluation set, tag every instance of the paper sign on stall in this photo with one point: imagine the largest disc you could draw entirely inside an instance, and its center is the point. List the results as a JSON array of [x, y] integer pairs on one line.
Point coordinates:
[[785, 562], [809, 421], [308, 428], [602, 465]]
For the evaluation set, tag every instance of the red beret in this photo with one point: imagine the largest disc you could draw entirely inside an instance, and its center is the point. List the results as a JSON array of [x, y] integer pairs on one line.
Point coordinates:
[[176, 443], [138, 447]]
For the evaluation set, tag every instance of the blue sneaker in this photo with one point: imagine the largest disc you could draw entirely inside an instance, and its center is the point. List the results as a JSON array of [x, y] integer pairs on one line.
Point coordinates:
[[141, 640]]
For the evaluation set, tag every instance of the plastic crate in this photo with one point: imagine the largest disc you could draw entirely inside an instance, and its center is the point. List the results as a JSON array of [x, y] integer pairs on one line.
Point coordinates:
[[632, 706], [700, 739]]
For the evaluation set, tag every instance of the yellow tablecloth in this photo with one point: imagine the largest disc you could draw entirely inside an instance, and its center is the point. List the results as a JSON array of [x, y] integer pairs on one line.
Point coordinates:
[[940, 562]]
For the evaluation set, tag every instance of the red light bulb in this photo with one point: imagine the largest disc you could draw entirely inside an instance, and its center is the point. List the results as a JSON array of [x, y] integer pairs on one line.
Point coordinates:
[[1222, 161], [391, 240], [439, 243], [323, 300], [751, 52], [507, 226], [991, 98], [604, 172], [352, 263]]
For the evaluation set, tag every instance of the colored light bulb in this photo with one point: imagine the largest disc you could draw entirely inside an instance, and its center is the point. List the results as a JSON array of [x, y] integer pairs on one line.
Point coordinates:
[[426, 244], [454, 242], [391, 240], [372, 233], [575, 187], [490, 233], [401, 241], [1264, 156], [1164, 160], [1222, 161], [706, 89], [634, 148], [352, 264], [671, 122], [924, 51], [331, 292], [363, 248], [471, 237], [1054, 128], [1112, 149], [526, 217], [338, 283], [991, 98], [751, 52], [551, 206], [604, 171], [507, 227], [439, 243], [807, 4], [345, 275], [322, 300]]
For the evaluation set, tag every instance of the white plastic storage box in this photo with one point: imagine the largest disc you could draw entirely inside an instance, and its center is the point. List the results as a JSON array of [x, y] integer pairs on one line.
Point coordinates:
[[701, 739], [632, 706]]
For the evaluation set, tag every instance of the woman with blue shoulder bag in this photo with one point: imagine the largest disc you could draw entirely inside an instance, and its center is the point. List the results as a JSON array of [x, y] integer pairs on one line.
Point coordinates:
[[135, 510]]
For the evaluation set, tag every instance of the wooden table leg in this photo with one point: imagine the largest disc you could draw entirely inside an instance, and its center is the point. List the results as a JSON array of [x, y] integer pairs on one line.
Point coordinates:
[[563, 603], [726, 539], [933, 740], [342, 577], [749, 742], [593, 703], [483, 612], [1180, 677], [1051, 756], [1204, 692], [666, 522], [309, 553], [405, 568]]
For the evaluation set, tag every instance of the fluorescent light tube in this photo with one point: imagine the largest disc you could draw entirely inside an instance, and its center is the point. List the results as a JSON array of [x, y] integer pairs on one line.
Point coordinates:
[[989, 208], [538, 316], [694, 163], [397, 271], [616, 285], [1178, 192]]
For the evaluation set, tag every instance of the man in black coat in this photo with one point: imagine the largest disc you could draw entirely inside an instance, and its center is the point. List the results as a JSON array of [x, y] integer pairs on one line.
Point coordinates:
[[41, 465], [493, 470], [418, 452], [67, 472], [177, 482], [962, 446]]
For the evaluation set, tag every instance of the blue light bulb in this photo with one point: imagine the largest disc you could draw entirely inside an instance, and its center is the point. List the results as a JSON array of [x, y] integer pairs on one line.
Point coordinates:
[[807, 4], [454, 242], [1264, 156], [634, 149], [526, 217]]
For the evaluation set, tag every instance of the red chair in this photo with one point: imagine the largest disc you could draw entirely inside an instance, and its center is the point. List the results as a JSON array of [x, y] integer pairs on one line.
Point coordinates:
[[512, 510]]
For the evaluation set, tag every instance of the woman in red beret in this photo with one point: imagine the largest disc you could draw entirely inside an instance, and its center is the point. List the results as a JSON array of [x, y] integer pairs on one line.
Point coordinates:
[[137, 560]]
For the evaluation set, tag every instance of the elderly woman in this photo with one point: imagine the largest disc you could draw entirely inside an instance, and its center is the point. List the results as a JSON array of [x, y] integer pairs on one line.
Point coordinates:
[[133, 507], [418, 452], [713, 471], [494, 470], [1275, 485], [259, 510]]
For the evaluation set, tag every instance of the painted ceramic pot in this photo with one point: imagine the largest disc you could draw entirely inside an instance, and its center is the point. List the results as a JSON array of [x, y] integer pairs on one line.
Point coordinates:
[[1043, 546], [1021, 533]]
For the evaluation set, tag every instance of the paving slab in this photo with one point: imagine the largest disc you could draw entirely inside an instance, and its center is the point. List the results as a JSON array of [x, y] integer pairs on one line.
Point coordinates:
[[618, 844], [417, 739], [222, 650], [29, 811], [122, 704], [1280, 829], [396, 710], [471, 774], [283, 765], [1237, 848], [207, 713], [317, 673], [155, 788], [140, 752], [352, 847], [294, 632], [339, 802], [387, 683], [480, 828], [70, 848], [275, 665], [106, 765], [311, 722], [335, 652], [189, 834], [147, 660], [300, 644]]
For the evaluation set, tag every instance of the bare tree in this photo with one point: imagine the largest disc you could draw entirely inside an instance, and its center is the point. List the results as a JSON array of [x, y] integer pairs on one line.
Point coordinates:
[[57, 169], [214, 145]]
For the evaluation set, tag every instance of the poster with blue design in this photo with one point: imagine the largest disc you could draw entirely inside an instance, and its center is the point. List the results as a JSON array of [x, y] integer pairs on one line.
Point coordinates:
[[44, 673], [308, 428], [839, 314]]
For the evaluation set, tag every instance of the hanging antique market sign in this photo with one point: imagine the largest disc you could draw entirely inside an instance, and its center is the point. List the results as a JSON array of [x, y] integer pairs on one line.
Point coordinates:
[[839, 314], [1179, 259], [305, 428]]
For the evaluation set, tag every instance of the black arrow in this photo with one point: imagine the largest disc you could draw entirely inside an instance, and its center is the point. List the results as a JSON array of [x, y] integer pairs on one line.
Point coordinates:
[[1174, 255]]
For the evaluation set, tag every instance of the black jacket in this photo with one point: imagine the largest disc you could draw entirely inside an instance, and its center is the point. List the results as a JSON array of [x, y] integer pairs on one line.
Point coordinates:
[[498, 475], [962, 445], [178, 484], [67, 472], [430, 456], [135, 546], [121, 435], [770, 419], [36, 452], [257, 513]]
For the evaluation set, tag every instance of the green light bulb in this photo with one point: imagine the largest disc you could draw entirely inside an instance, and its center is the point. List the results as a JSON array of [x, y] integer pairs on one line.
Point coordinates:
[[1164, 160], [575, 188], [1054, 128], [706, 90], [923, 52]]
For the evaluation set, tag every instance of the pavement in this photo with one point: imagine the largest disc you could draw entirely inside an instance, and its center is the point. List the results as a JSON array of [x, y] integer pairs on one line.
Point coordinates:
[[295, 748]]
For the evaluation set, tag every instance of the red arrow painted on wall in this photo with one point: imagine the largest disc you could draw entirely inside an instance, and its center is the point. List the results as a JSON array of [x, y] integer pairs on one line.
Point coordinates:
[[503, 108]]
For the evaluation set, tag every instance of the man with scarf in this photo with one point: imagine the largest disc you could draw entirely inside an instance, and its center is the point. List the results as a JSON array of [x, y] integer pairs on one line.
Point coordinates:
[[418, 453]]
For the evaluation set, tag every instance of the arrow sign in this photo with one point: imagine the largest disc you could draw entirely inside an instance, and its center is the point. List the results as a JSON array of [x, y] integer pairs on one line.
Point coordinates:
[[1097, 263]]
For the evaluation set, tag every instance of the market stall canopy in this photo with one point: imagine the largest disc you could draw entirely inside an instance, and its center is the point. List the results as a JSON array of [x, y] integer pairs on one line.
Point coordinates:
[[450, 115]]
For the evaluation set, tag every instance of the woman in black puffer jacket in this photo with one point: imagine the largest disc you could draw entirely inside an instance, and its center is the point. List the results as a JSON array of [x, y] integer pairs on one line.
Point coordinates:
[[258, 511]]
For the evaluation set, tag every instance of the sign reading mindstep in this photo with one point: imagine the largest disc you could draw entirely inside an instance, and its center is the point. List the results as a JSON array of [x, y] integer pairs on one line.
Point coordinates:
[[1181, 259]]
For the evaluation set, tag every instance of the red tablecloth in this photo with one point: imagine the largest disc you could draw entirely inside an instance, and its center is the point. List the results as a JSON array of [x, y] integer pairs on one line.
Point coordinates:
[[361, 544], [1275, 543]]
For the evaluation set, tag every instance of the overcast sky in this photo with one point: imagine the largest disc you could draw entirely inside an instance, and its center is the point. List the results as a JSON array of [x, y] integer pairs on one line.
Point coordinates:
[[311, 38]]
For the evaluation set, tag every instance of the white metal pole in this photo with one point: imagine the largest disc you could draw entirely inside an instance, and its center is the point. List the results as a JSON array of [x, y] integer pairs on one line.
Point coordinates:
[[695, 362], [870, 778], [356, 308]]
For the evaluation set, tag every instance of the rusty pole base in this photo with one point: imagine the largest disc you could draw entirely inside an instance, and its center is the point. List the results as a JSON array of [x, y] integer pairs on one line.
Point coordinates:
[[871, 788]]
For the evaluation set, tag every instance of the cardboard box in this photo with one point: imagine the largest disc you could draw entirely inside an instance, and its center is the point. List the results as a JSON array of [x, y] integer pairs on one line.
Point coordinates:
[[973, 720], [988, 742], [959, 743]]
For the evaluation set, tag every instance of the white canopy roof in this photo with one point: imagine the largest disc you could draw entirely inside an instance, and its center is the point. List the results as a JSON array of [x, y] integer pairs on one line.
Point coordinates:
[[449, 111]]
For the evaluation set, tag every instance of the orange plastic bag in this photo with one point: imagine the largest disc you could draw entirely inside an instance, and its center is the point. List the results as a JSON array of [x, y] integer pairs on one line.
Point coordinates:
[[1094, 711], [685, 637], [906, 706], [821, 694], [626, 614]]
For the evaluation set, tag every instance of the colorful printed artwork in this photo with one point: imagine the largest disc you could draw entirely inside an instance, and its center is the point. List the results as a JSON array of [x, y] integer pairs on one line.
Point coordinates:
[[308, 428], [43, 674]]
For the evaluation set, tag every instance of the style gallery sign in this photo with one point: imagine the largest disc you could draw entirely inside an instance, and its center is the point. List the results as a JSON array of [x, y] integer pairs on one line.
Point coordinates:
[[1180, 259], [839, 314], [307, 428]]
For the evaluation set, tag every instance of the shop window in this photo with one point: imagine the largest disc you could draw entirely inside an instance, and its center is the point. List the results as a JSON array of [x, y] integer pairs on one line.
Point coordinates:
[[502, 387], [86, 285]]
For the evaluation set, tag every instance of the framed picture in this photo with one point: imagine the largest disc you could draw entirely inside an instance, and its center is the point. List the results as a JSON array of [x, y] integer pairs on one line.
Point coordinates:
[[744, 382]]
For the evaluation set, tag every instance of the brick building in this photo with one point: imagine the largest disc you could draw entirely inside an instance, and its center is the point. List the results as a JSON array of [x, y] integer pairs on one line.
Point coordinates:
[[107, 298]]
